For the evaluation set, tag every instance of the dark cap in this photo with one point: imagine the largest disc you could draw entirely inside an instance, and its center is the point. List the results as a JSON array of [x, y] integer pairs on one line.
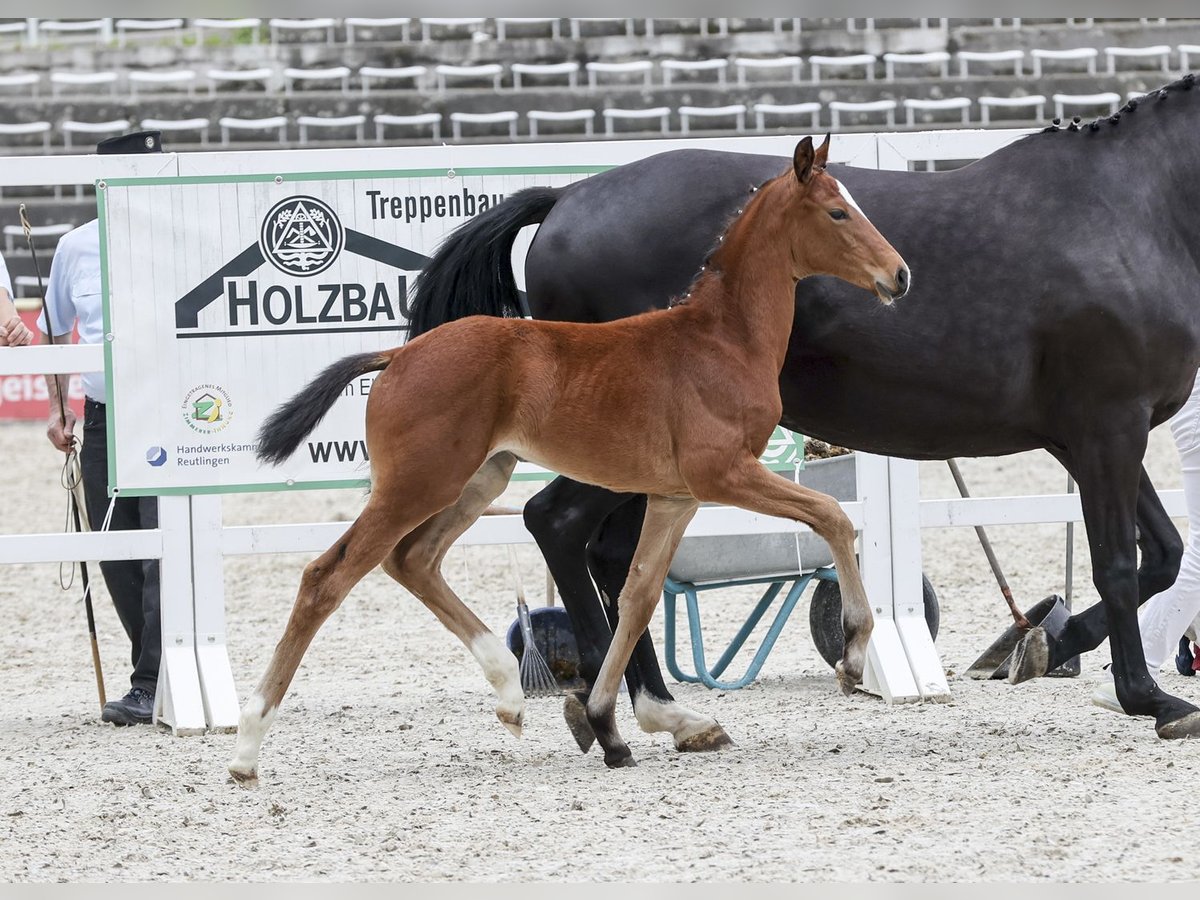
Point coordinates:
[[134, 142]]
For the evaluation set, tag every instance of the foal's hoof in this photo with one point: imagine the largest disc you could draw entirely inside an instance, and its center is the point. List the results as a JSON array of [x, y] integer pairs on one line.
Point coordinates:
[[511, 720], [847, 680], [247, 778], [1187, 727], [575, 713], [1031, 659], [710, 739]]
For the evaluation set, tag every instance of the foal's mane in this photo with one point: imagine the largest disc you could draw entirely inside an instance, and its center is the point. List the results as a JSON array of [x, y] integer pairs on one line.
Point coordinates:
[[1154, 98]]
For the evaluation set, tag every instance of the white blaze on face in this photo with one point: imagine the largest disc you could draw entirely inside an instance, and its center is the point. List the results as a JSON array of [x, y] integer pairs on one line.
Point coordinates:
[[848, 198]]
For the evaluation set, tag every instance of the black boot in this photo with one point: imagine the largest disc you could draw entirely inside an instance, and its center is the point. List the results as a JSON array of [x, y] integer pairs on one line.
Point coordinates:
[[135, 708], [1184, 659]]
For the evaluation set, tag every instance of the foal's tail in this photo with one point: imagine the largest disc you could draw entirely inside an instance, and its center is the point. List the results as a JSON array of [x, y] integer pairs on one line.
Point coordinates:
[[471, 272], [282, 433]]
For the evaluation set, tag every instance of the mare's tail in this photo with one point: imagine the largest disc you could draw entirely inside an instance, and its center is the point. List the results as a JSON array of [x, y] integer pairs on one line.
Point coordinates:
[[291, 423], [471, 272]]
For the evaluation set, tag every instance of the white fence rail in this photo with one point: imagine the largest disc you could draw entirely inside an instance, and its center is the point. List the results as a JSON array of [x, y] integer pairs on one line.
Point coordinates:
[[196, 689]]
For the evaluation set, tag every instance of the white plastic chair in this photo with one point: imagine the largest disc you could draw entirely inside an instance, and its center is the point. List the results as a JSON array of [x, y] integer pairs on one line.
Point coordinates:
[[1160, 52], [334, 73], [357, 122], [404, 24], [693, 66], [199, 125], [503, 117], [836, 107], [1086, 55], [60, 80], [101, 28], [1185, 52], [965, 57], [415, 121], [770, 64], [576, 23], [177, 78], [13, 232], [914, 106], [1036, 102], [427, 25], [218, 77], [494, 71], [69, 128], [1107, 98], [149, 26], [225, 26], [616, 114], [586, 116], [641, 67], [26, 128], [502, 26], [811, 108], [297, 26], [855, 60], [403, 73], [938, 58], [545, 70], [736, 110], [270, 123], [30, 80]]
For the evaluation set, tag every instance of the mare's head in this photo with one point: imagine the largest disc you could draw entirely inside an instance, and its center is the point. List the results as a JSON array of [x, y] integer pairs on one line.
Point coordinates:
[[832, 236]]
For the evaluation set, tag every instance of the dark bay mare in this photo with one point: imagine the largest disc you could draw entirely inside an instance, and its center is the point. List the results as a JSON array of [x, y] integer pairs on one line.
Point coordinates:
[[1055, 305]]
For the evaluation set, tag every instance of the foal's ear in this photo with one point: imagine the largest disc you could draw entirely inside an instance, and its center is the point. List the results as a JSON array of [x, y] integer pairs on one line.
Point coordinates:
[[803, 159], [822, 157]]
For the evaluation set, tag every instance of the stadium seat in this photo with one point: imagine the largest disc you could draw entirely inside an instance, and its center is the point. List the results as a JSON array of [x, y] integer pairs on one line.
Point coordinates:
[[576, 25], [23, 283], [334, 73], [887, 107], [1159, 52], [767, 65], [357, 122], [175, 126], [219, 77], [494, 71], [270, 123], [227, 26], [642, 66], [30, 80], [101, 28], [149, 26], [280, 27], [69, 127], [419, 120], [1016, 57], [939, 58], [502, 26], [353, 22], [1186, 51], [702, 26], [13, 232], [545, 70], [503, 117], [914, 106], [18, 27], [60, 80], [184, 78], [736, 110], [615, 114], [366, 73], [852, 25], [1062, 101], [762, 110], [586, 116], [856, 60], [24, 128], [1036, 102], [1086, 55], [427, 26], [778, 25], [693, 66]]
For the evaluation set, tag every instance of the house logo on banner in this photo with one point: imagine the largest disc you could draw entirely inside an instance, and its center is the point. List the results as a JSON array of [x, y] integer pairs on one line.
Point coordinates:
[[301, 236]]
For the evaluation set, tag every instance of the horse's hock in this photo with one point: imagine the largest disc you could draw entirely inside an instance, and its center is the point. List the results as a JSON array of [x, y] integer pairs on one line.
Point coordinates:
[[775, 561]]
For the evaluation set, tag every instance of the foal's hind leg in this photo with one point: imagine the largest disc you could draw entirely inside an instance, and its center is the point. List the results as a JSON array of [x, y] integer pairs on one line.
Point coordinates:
[[748, 485], [325, 583], [416, 563]]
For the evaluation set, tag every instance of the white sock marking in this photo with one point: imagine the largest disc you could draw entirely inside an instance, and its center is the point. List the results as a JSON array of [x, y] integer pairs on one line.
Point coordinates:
[[253, 725], [682, 723], [503, 673]]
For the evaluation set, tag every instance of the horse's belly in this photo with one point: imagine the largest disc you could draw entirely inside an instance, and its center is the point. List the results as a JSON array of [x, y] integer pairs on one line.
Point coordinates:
[[610, 463]]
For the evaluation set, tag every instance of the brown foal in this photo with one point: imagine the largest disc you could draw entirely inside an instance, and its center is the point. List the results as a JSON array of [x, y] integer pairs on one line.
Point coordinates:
[[677, 404]]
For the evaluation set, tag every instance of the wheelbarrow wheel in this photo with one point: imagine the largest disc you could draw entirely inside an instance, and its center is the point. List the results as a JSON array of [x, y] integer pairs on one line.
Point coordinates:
[[825, 617]]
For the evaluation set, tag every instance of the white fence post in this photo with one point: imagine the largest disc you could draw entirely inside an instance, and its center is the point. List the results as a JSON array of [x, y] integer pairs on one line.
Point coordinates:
[[177, 702], [208, 584]]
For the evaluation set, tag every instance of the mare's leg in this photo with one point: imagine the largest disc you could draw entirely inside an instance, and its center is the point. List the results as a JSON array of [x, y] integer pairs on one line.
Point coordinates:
[[563, 517], [746, 483], [1162, 551], [666, 519], [416, 564], [610, 556], [1107, 468]]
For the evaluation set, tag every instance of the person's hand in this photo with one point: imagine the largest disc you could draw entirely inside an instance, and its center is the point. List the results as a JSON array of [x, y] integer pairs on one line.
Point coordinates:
[[15, 333], [60, 432]]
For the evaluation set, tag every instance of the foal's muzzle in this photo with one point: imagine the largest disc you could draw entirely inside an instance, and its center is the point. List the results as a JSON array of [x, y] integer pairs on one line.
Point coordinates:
[[901, 282]]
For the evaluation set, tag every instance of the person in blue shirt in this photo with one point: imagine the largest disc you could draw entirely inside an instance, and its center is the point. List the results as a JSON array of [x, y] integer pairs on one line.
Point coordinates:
[[73, 297]]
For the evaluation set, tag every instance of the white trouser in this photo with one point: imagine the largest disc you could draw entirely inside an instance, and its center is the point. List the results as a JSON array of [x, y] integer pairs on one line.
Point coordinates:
[[1165, 617]]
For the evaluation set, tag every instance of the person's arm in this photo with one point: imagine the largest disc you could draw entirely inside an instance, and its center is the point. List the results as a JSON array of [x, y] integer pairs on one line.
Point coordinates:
[[13, 332], [57, 307]]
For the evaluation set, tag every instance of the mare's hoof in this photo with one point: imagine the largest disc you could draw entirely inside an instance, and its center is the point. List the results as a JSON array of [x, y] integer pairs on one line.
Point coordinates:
[[575, 714], [1186, 727], [1031, 659], [706, 741], [511, 721], [847, 681], [247, 778], [620, 760]]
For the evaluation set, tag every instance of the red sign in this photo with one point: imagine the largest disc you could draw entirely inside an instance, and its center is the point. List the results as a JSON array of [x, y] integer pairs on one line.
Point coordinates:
[[25, 396]]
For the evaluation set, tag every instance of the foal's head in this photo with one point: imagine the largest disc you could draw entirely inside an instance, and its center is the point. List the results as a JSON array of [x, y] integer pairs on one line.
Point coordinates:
[[832, 236]]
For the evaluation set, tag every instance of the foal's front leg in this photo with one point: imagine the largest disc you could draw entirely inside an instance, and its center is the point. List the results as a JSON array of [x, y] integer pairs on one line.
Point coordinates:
[[666, 519]]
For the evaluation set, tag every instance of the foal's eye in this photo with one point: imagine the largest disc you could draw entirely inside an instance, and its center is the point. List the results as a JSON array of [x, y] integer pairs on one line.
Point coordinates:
[[838, 214]]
